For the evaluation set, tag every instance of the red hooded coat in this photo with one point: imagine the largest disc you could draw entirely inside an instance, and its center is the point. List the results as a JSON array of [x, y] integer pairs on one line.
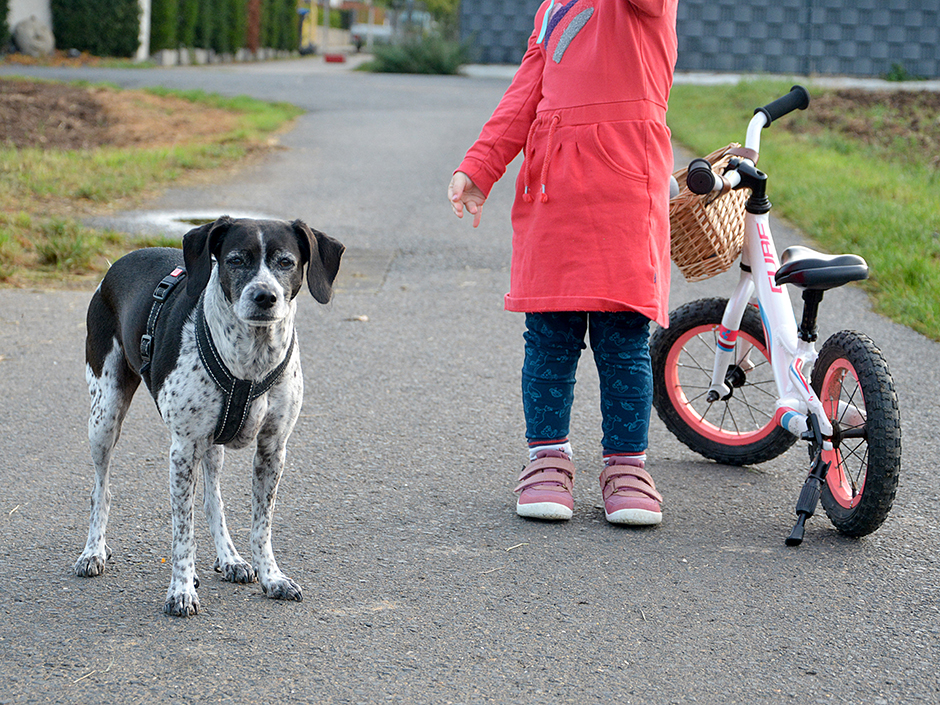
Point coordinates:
[[588, 107]]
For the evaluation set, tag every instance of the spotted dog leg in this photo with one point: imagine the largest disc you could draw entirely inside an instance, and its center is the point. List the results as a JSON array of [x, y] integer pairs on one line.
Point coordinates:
[[268, 467], [181, 597], [233, 567], [111, 393]]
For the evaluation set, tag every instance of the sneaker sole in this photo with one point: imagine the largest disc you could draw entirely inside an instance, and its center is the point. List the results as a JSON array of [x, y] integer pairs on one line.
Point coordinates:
[[635, 517], [550, 511]]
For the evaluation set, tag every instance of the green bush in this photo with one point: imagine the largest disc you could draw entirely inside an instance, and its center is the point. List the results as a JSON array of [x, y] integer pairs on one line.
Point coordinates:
[[232, 26], [428, 55], [279, 24], [187, 21], [206, 24], [163, 24], [220, 25], [100, 27], [899, 72], [224, 25], [4, 27]]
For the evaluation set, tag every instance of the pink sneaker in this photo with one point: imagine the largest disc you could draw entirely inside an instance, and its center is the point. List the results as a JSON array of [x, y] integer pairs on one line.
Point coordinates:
[[545, 487], [630, 497]]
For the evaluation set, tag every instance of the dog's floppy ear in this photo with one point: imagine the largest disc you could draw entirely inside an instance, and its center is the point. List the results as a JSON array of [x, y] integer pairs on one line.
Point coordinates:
[[322, 255], [199, 244]]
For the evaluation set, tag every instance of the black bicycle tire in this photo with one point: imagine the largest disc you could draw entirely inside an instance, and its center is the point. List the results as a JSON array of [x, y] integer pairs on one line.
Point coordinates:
[[686, 317], [883, 422]]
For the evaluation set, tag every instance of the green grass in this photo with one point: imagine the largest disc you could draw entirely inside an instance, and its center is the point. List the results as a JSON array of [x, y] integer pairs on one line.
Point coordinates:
[[876, 200], [41, 238], [45, 248], [256, 117]]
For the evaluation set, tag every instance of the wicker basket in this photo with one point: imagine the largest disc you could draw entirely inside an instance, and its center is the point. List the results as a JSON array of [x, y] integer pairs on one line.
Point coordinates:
[[707, 231]]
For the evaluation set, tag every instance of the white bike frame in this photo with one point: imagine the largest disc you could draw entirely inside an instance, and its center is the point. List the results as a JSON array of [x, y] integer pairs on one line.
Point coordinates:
[[791, 358]]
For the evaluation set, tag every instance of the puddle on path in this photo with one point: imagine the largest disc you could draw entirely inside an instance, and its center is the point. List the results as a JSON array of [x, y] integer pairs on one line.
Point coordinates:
[[150, 223]]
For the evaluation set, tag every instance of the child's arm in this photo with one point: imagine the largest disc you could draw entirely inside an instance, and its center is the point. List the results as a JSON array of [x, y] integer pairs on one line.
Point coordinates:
[[504, 134]]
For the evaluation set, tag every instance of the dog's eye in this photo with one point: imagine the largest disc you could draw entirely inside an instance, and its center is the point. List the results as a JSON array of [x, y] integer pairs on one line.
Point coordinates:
[[235, 261], [285, 262]]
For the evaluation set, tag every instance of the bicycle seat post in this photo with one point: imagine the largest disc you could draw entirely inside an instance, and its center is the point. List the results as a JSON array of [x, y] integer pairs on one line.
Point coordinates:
[[811, 299]]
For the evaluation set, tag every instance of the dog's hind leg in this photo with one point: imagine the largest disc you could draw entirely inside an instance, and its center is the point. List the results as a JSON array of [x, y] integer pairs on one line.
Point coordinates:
[[111, 390], [232, 566], [268, 467]]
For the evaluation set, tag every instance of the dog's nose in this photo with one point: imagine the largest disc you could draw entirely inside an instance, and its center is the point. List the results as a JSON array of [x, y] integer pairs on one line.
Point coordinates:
[[264, 298]]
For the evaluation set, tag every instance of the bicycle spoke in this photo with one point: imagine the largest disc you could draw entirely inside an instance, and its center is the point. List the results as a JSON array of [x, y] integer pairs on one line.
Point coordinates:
[[752, 409], [850, 402], [728, 414], [728, 417], [697, 365], [762, 388], [860, 457]]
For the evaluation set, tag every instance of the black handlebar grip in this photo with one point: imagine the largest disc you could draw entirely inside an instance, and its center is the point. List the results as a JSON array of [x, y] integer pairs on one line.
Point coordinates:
[[796, 99], [700, 178]]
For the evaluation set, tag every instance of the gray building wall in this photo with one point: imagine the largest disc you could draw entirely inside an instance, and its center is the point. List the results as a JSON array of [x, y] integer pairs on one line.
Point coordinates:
[[847, 37]]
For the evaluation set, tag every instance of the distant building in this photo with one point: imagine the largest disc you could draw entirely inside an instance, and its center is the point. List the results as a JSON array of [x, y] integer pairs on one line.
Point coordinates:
[[843, 37]]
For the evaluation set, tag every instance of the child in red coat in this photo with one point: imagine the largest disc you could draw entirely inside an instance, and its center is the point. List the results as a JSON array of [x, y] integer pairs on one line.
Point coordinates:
[[590, 233]]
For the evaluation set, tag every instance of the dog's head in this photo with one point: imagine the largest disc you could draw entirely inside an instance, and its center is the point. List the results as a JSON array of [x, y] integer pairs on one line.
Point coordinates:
[[261, 264]]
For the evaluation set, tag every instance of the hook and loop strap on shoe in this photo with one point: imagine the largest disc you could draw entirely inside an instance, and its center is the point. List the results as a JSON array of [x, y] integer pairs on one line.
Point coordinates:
[[239, 393], [549, 473], [627, 478], [160, 295]]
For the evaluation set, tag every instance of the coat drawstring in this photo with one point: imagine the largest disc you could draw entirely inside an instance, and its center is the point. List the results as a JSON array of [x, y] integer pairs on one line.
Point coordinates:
[[548, 156], [526, 161], [550, 143]]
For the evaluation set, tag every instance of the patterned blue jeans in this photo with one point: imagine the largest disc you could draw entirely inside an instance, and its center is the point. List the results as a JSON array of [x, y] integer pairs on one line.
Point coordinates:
[[620, 342]]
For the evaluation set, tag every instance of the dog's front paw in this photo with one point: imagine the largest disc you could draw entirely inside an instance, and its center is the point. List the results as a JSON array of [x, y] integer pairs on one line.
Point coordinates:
[[282, 589], [91, 563], [184, 603], [236, 572]]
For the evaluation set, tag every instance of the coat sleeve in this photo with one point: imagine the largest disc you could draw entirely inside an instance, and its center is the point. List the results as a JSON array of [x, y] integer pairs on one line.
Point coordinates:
[[504, 134]]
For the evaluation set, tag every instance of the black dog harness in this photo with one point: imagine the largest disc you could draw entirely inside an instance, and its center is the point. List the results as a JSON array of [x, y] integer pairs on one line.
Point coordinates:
[[239, 393], [160, 295]]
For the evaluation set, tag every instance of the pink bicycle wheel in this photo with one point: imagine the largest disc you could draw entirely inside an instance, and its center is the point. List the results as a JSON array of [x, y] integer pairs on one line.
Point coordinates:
[[737, 430], [852, 381]]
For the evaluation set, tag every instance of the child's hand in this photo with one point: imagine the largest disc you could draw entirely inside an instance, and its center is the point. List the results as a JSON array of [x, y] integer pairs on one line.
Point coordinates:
[[463, 192]]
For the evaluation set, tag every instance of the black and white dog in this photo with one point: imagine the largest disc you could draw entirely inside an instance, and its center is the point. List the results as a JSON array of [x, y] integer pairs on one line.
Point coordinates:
[[218, 354]]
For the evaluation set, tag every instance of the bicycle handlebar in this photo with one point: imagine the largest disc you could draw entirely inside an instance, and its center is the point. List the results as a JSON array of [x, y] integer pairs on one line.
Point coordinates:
[[796, 99], [702, 179]]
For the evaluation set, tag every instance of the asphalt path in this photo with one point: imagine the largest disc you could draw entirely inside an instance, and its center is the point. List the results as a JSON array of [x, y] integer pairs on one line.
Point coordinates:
[[396, 515]]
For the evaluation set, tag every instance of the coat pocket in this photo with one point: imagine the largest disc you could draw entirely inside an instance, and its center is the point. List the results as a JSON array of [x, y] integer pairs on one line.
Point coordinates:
[[622, 146]]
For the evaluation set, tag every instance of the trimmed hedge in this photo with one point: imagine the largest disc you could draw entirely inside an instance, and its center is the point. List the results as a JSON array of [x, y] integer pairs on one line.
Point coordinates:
[[112, 27], [220, 25], [100, 27], [163, 24], [279, 24]]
